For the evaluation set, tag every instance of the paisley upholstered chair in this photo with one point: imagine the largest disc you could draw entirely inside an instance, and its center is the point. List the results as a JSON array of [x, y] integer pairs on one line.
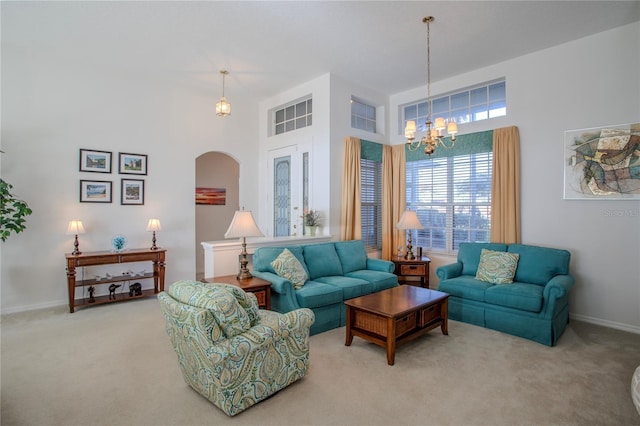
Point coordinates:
[[229, 351]]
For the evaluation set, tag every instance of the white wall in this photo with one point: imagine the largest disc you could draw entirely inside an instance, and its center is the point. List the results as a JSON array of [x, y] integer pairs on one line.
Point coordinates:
[[590, 82], [58, 98]]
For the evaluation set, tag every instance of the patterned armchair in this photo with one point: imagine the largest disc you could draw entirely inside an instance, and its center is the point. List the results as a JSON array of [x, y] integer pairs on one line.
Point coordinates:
[[229, 351]]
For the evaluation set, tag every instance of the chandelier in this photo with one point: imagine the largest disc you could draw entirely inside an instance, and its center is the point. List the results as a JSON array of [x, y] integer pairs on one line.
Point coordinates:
[[434, 135], [223, 108]]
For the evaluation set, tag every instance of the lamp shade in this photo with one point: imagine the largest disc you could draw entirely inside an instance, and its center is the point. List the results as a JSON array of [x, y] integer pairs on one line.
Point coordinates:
[[410, 129], [243, 225], [154, 225], [75, 227], [409, 220]]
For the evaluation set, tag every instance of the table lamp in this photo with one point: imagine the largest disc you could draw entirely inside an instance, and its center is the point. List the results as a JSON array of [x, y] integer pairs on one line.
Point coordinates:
[[409, 221], [243, 225], [153, 226], [75, 227]]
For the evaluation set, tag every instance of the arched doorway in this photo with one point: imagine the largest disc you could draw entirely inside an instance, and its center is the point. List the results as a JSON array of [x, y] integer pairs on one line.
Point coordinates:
[[215, 170]]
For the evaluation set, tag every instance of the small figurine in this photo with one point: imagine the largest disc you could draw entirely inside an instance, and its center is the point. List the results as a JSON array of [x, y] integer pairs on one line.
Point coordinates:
[[135, 289], [92, 289], [112, 291]]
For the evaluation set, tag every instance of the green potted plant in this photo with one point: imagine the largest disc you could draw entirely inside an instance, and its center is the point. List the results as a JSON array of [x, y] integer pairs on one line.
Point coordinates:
[[12, 212], [311, 222]]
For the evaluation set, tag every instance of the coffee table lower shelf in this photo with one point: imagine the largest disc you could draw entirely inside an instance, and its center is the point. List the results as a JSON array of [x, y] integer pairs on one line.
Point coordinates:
[[396, 316]]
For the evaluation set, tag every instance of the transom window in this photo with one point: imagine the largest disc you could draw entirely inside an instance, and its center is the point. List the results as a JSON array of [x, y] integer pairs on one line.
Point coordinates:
[[473, 104], [363, 116], [452, 196], [295, 115]]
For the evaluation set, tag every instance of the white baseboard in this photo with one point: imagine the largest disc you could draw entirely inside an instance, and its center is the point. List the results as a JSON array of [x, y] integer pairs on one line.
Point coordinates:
[[606, 323]]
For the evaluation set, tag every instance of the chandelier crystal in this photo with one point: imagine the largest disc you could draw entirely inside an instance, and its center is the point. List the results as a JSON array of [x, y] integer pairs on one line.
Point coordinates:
[[434, 136], [223, 108]]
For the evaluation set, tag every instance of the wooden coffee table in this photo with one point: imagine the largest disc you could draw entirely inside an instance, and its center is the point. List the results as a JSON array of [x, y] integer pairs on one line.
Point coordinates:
[[391, 317]]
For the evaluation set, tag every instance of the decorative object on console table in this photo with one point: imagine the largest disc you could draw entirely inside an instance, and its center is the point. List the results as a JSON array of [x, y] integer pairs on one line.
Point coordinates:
[[408, 222], [311, 222], [259, 287], [119, 242], [101, 258], [75, 227], [412, 272], [153, 226], [243, 225]]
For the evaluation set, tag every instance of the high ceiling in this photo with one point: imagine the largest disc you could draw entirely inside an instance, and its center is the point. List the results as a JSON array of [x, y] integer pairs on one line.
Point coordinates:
[[270, 46]]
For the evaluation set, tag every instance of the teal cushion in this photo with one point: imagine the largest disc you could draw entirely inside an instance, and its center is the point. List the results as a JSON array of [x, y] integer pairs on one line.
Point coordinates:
[[521, 296], [322, 260], [263, 256], [352, 254], [378, 279], [351, 287], [497, 267], [287, 266], [315, 294], [469, 255], [537, 265], [465, 287]]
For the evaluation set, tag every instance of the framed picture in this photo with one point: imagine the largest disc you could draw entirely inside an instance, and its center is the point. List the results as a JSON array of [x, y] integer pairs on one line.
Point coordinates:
[[600, 163], [132, 164], [132, 192], [211, 196], [95, 161], [95, 191]]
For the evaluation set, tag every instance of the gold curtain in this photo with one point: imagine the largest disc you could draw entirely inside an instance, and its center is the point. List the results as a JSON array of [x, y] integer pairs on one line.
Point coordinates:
[[393, 198], [505, 189], [351, 223]]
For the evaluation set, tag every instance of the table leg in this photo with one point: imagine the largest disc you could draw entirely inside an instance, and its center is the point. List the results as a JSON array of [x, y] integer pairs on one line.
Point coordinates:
[[391, 341], [349, 335], [71, 285], [444, 313]]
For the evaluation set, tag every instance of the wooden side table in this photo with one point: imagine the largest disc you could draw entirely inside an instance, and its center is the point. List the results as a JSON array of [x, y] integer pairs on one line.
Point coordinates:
[[414, 272], [261, 288]]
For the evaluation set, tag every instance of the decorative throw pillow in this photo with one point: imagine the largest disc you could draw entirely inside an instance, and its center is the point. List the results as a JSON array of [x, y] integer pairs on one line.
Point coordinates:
[[287, 266], [497, 267]]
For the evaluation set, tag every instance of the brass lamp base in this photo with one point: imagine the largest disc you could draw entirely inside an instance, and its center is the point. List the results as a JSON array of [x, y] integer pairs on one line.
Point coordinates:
[[244, 272], [409, 255]]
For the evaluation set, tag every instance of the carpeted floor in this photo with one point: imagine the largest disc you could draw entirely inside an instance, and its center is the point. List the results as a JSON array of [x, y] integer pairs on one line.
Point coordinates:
[[113, 365]]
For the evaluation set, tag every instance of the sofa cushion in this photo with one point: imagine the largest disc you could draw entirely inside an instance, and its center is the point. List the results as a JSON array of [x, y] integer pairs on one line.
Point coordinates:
[[465, 287], [352, 254], [230, 316], [521, 296], [263, 257], [537, 265], [322, 260], [315, 294], [378, 279], [469, 255], [497, 267], [247, 300], [351, 287], [288, 266]]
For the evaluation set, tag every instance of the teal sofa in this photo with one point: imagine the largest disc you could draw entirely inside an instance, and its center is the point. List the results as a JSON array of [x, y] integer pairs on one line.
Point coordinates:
[[336, 271], [534, 306]]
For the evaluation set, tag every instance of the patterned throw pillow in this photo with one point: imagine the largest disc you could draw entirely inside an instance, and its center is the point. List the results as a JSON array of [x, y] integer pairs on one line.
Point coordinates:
[[497, 267], [287, 266]]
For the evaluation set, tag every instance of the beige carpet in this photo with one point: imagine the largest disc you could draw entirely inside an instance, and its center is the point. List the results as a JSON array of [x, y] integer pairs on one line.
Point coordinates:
[[113, 365]]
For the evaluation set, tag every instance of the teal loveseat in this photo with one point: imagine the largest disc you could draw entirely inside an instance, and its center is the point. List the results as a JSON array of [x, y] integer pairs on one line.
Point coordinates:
[[336, 271], [534, 306]]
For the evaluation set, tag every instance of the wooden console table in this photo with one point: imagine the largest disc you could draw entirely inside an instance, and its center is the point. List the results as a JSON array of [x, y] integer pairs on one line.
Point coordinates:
[[96, 258]]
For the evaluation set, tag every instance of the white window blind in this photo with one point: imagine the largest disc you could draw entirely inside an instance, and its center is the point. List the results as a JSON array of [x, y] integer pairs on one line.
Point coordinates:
[[452, 196], [371, 199]]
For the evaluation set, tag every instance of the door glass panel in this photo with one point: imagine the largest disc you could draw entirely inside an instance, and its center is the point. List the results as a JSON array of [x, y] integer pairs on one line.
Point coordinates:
[[281, 196]]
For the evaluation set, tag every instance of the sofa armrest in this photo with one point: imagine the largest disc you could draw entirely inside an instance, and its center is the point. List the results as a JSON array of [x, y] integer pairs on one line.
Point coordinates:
[[451, 270], [380, 265], [557, 288], [286, 300]]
